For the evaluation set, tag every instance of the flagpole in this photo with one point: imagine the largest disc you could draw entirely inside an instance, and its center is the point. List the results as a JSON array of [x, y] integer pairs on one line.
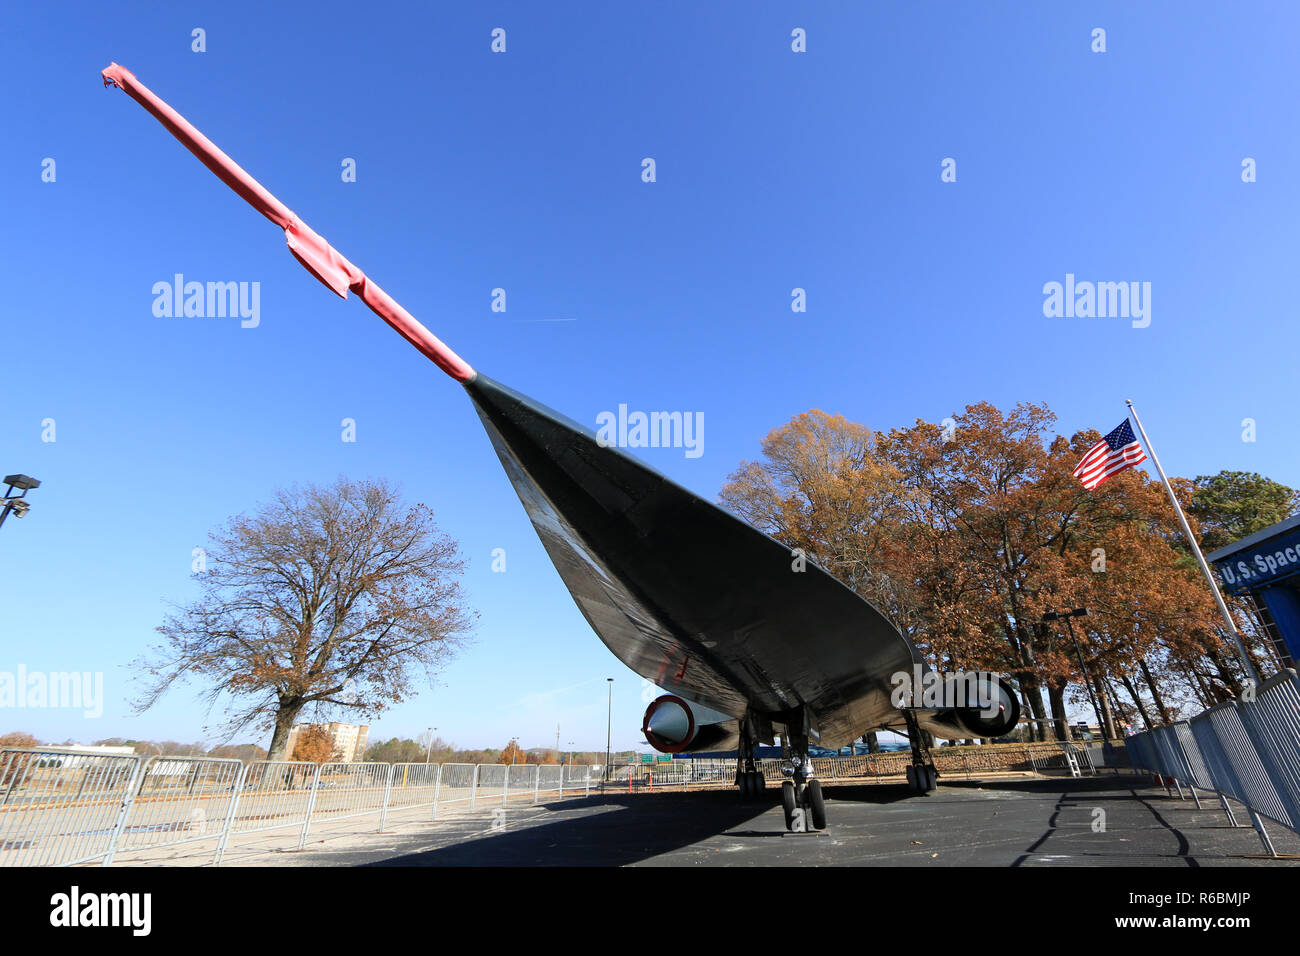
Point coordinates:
[[1200, 558]]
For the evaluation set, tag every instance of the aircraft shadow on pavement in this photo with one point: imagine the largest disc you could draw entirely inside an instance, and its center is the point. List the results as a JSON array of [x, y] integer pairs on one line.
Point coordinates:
[[621, 828]]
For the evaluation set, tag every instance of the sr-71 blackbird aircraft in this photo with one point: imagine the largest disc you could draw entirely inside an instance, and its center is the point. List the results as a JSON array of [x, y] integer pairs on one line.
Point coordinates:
[[688, 596]]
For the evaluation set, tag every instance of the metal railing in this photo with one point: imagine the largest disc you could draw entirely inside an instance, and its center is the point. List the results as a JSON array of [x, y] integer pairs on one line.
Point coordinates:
[[1246, 750], [61, 808]]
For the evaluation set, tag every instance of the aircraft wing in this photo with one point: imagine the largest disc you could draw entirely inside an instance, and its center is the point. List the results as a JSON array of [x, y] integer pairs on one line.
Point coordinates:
[[686, 594]]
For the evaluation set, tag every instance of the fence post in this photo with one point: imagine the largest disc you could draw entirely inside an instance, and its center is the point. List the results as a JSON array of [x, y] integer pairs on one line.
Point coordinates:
[[311, 805], [1263, 833], [537, 780], [127, 800], [505, 786], [588, 781], [473, 786], [388, 789], [230, 816], [437, 785]]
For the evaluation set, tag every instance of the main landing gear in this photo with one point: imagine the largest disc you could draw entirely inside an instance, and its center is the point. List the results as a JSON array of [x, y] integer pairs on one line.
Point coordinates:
[[921, 773], [749, 778]]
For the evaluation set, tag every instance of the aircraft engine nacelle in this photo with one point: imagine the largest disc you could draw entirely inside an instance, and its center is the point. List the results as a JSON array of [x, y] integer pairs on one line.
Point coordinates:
[[997, 720], [672, 725], [971, 720]]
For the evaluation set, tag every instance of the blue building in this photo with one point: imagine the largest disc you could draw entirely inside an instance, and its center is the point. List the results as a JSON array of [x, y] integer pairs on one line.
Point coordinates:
[[1265, 568]]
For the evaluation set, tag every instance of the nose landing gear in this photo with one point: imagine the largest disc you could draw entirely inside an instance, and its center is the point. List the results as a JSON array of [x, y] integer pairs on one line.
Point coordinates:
[[801, 795]]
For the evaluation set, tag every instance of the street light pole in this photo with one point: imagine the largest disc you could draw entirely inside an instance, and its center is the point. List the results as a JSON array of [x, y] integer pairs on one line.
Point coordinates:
[[609, 726], [1087, 681], [15, 503]]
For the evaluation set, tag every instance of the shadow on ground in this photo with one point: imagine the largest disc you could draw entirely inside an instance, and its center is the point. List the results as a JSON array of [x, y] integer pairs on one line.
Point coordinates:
[[1106, 820]]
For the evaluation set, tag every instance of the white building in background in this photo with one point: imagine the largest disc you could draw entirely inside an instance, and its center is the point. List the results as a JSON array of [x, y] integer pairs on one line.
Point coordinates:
[[350, 740]]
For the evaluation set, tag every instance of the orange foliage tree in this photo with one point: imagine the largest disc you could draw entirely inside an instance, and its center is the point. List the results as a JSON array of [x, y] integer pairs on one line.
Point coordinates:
[[965, 534]]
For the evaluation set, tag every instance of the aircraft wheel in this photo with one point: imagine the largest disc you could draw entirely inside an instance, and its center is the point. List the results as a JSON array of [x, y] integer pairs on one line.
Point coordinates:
[[816, 804], [931, 777], [760, 783], [911, 777], [746, 786], [789, 801]]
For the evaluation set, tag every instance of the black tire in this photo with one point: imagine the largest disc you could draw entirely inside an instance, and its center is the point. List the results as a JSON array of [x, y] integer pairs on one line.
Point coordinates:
[[816, 805], [789, 802], [760, 783], [743, 779]]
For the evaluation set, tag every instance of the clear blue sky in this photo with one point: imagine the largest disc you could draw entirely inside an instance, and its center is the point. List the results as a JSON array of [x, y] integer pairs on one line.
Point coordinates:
[[522, 170]]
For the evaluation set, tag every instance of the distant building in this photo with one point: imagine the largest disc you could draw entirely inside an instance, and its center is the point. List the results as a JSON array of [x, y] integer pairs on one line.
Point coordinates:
[[349, 739], [1264, 568], [103, 749]]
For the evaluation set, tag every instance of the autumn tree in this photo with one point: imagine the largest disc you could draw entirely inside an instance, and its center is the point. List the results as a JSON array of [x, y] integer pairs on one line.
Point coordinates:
[[965, 534], [315, 744], [823, 488], [512, 753], [335, 598], [15, 766]]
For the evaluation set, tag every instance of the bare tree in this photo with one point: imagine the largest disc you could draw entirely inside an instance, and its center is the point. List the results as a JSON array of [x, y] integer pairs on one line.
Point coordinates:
[[334, 597]]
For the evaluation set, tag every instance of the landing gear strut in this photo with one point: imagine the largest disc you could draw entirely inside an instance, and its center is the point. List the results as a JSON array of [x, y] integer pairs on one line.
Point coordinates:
[[801, 795], [749, 778], [922, 776]]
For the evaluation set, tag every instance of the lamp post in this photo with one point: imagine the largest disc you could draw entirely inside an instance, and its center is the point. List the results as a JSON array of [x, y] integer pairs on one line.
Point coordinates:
[[609, 725], [15, 503], [1087, 681], [428, 757]]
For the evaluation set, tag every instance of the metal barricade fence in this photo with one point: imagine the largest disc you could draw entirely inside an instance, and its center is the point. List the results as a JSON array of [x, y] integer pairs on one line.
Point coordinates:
[[550, 778], [180, 800], [58, 808], [456, 788], [275, 794], [1199, 773], [1249, 751], [1253, 780], [521, 782], [413, 785], [580, 777], [345, 790], [490, 785], [1273, 722]]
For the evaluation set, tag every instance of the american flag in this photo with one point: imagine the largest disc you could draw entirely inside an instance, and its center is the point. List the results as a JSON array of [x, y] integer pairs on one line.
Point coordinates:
[[1111, 455]]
